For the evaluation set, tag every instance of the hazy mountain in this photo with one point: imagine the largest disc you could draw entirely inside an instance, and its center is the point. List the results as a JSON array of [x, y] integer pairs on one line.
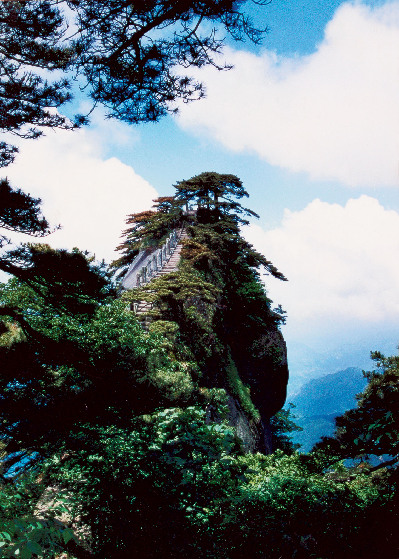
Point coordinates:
[[306, 363], [320, 400]]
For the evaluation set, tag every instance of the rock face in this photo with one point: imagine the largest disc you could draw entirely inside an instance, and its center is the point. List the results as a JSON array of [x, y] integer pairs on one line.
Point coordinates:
[[250, 433], [270, 373], [264, 369]]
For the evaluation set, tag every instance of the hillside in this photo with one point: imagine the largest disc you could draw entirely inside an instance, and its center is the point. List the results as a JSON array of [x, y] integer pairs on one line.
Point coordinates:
[[321, 400]]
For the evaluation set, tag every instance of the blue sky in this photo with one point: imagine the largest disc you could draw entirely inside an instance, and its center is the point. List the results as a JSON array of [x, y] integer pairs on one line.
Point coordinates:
[[309, 121]]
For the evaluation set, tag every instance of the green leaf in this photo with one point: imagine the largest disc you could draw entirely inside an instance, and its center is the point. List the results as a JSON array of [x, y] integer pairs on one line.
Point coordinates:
[[25, 552], [34, 547], [67, 535], [5, 536]]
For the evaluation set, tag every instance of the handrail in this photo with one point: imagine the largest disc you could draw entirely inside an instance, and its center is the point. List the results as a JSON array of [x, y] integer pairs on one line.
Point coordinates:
[[153, 262]]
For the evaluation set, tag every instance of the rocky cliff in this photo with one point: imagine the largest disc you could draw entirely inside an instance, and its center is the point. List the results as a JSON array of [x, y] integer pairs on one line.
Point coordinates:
[[213, 299]]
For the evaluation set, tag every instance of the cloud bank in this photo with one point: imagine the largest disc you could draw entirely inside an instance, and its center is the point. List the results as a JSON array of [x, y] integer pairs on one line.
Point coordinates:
[[342, 276], [333, 114], [87, 193]]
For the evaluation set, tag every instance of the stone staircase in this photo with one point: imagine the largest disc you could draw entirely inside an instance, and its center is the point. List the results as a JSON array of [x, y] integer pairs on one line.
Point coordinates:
[[173, 262], [142, 308]]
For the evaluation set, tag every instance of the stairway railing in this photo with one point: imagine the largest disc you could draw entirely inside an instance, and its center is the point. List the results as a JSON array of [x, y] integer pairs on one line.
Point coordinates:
[[145, 266]]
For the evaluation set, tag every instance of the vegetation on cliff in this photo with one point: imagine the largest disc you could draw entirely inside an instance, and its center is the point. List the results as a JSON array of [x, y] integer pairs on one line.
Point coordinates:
[[216, 299]]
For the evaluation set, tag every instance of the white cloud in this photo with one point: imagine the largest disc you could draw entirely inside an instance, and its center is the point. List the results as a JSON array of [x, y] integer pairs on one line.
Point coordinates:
[[342, 265], [88, 194], [333, 114]]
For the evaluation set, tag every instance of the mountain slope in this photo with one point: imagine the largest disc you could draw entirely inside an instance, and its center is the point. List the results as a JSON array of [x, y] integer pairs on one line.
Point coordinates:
[[321, 400]]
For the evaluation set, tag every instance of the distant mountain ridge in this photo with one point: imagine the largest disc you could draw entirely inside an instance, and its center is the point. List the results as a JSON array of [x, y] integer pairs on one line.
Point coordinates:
[[321, 400], [306, 363]]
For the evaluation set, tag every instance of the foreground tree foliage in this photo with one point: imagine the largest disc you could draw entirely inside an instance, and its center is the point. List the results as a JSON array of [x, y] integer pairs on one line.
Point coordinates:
[[116, 421], [134, 56], [30, 42], [30, 46], [371, 429], [174, 485], [367, 436]]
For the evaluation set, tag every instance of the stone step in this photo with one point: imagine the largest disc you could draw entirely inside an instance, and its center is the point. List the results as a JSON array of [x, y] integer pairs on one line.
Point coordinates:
[[171, 266], [167, 270], [143, 306]]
